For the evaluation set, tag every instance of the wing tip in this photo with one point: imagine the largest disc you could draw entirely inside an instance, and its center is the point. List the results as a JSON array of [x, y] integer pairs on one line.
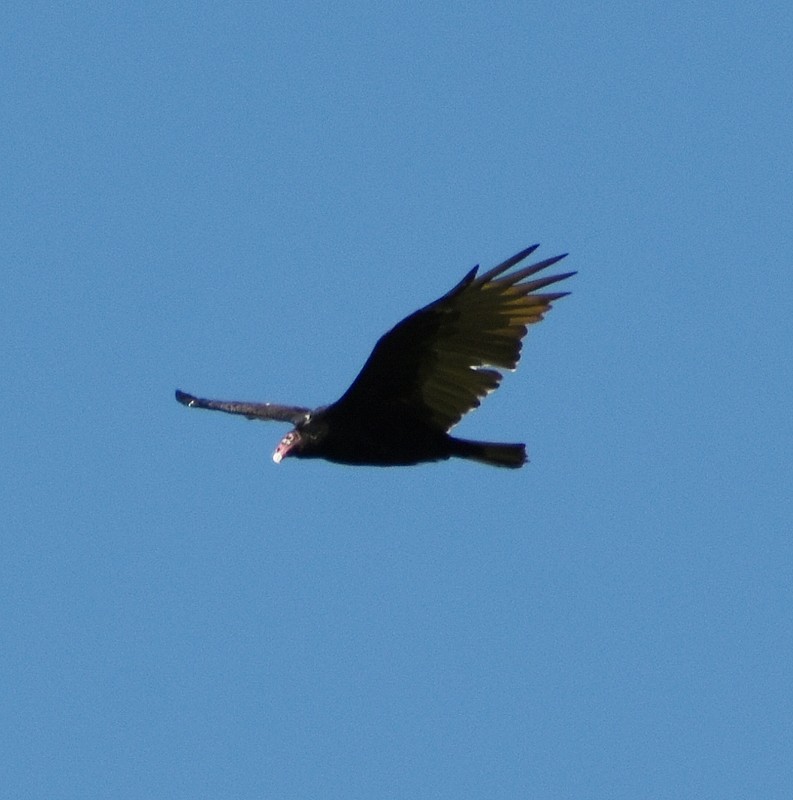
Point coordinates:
[[504, 266], [184, 398]]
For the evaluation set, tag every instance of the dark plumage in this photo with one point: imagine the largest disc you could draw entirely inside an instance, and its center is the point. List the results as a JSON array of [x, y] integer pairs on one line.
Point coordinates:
[[422, 377]]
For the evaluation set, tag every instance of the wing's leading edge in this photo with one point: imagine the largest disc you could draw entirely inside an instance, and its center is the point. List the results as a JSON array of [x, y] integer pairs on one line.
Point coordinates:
[[266, 411]]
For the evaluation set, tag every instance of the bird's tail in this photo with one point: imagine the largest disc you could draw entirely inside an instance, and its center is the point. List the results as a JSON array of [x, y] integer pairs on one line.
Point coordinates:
[[499, 455]]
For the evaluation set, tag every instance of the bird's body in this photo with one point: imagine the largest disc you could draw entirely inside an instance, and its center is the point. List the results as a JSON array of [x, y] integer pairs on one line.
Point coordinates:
[[421, 378], [379, 436]]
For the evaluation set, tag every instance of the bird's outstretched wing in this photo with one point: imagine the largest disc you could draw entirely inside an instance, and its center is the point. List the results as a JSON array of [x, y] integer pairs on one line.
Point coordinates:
[[440, 360], [293, 414]]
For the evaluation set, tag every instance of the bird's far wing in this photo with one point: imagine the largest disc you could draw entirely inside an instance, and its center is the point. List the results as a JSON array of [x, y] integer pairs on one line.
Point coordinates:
[[293, 414], [440, 360]]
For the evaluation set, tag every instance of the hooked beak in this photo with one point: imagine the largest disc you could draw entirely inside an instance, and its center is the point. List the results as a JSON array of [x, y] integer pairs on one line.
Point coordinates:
[[285, 446]]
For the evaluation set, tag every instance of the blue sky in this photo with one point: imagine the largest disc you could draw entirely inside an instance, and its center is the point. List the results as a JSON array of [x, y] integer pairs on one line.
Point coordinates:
[[238, 201]]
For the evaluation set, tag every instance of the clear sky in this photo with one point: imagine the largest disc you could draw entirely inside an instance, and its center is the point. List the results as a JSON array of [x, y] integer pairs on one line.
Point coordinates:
[[237, 199]]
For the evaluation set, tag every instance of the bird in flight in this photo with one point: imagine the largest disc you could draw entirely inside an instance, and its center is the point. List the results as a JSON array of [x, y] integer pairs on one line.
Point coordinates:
[[422, 377]]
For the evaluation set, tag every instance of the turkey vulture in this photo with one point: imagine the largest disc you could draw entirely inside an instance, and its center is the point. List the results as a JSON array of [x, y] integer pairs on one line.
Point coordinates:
[[421, 378]]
